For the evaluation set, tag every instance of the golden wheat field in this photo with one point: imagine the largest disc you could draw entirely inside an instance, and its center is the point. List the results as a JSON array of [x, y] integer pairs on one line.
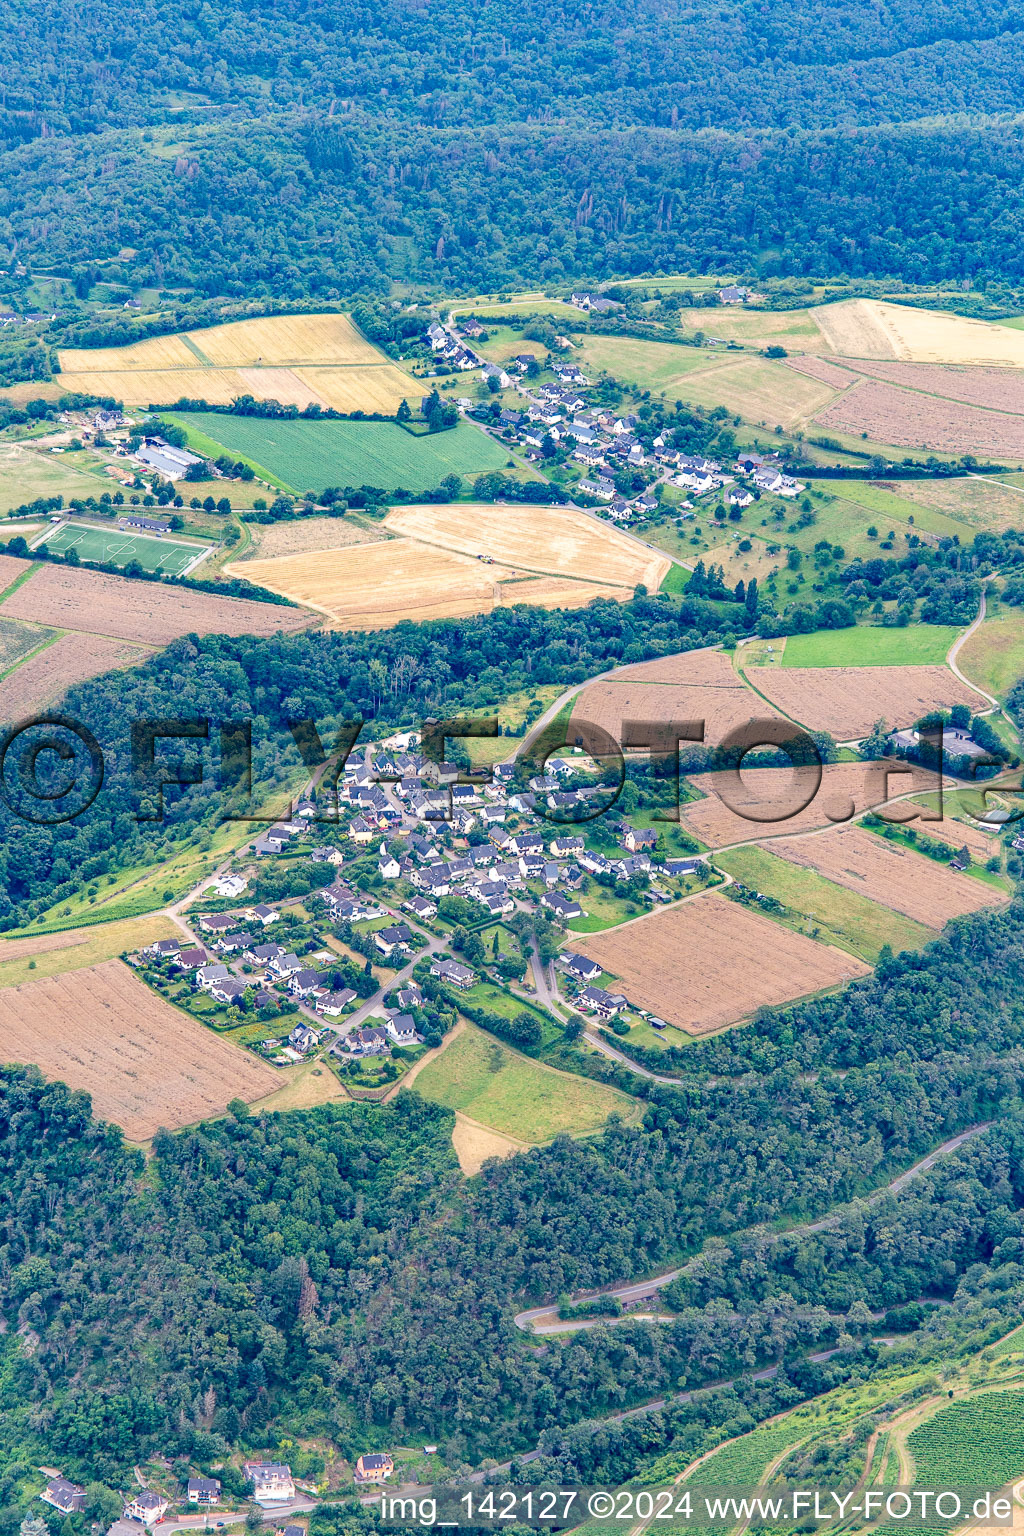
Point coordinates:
[[550, 540], [872, 329], [296, 359]]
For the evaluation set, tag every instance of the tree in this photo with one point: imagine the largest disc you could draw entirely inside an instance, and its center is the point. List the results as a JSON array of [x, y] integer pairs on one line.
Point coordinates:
[[403, 413]]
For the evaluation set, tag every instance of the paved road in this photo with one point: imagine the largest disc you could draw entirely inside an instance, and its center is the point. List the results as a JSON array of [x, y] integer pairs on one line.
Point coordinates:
[[216, 1517]]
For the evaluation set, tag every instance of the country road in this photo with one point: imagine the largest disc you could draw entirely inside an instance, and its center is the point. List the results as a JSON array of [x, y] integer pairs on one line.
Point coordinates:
[[544, 1319]]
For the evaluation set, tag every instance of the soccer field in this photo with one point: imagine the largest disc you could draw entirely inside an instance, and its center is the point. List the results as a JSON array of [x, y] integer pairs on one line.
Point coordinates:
[[114, 546]]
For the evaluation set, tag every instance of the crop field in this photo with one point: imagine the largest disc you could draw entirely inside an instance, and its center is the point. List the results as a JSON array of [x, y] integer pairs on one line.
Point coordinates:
[[979, 501], [870, 328], [912, 420], [315, 454], [50, 954], [892, 501], [746, 962], [98, 604], [17, 640], [823, 909], [765, 805], [145, 1063], [555, 592], [512, 1094], [959, 834], [824, 371], [760, 391], [977, 1440], [998, 389], [114, 546], [917, 645], [553, 540], [372, 586], [706, 668], [307, 534], [920, 888], [847, 701], [994, 655], [699, 685], [45, 676], [11, 568], [295, 359]]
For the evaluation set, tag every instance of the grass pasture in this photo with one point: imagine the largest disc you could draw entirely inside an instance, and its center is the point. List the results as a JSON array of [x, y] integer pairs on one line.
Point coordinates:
[[314, 454], [825, 910], [917, 645], [51, 954], [28, 473], [994, 655], [114, 546], [513, 1095]]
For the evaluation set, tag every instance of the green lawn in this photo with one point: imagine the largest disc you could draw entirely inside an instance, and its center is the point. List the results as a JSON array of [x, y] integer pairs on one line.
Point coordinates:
[[829, 911], [495, 1085], [994, 655], [314, 454], [117, 547], [870, 646]]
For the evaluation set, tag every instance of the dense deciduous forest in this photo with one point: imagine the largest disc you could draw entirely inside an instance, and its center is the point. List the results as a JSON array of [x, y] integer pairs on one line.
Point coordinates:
[[324, 149], [330, 1269]]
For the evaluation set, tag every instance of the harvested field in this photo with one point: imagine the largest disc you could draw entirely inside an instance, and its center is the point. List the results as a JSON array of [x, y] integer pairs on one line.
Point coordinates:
[[474, 1144], [553, 540], [556, 592], [872, 329], [147, 612], [218, 386], [284, 339], [366, 388], [145, 1063], [305, 535], [75, 948], [958, 834], [983, 503], [909, 420], [821, 369], [908, 882], [759, 391], [711, 962], [372, 586], [999, 389], [10, 569], [704, 669], [723, 710], [46, 676], [846, 701], [766, 806]]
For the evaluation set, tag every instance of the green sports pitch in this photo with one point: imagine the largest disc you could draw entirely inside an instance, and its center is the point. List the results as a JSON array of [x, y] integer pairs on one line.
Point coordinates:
[[116, 546]]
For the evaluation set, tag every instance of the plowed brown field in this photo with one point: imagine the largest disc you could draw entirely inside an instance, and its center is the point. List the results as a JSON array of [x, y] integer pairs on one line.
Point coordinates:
[[700, 685], [710, 962], [908, 882], [144, 611], [50, 673], [145, 1063], [846, 701], [909, 420]]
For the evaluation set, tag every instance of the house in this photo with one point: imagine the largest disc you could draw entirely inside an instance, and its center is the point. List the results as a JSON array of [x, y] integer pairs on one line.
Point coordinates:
[[368, 1042], [397, 936], [683, 866], [455, 974], [65, 1496], [389, 866], [563, 846], [401, 1027], [740, 498], [203, 1490], [437, 336], [163, 949], [562, 906], [323, 855], [636, 839], [333, 1004], [420, 907], [210, 976], [219, 922], [262, 954], [263, 914], [231, 943], [374, 1468], [409, 997], [580, 966], [229, 885], [732, 295], [228, 990], [146, 1506], [188, 959], [598, 1001], [304, 983], [302, 1038], [285, 965], [272, 1482], [491, 371], [361, 830]]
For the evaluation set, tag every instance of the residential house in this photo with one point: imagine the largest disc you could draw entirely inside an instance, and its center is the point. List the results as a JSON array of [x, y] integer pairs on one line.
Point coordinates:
[[218, 922], [563, 907], [453, 973], [562, 846], [732, 295], [683, 866], [229, 885], [305, 982], [263, 914], [636, 838], [228, 990], [397, 937], [374, 1468], [231, 943], [390, 867], [361, 831], [146, 1506], [739, 498], [272, 1482], [285, 965], [368, 1042], [580, 966], [69, 1498], [420, 907], [209, 976], [189, 959], [333, 1004], [203, 1490], [409, 997], [303, 1039], [262, 954], [326, 855], [163, 949], [598, 1001], [492, 371], [401, 1027]]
